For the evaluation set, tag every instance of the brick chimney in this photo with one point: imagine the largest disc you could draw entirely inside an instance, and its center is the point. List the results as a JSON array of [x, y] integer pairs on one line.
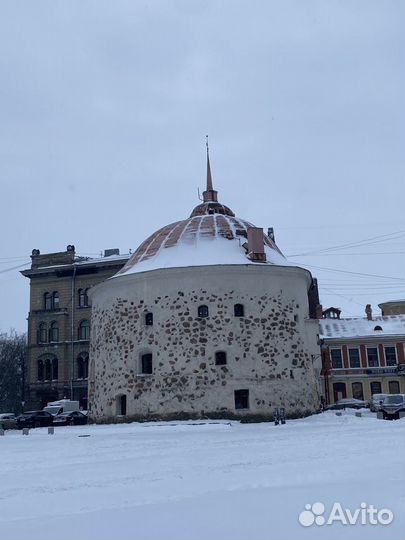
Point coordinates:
[[256, 244], [369, 312]]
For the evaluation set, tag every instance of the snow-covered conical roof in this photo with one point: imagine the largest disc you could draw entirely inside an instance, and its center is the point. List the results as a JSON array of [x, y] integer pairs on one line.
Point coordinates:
[[212, 235]]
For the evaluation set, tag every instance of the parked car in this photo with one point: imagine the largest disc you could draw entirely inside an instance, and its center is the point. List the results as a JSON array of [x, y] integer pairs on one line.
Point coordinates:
[[392, 406], [33, 419], [348, 403], [71, 418], [376, 402], [8, 421]]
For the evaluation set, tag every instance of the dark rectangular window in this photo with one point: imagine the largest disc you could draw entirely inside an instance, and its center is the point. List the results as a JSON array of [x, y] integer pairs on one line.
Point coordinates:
[[149, 319], [48, 301], [372, 357], [146, 364], [393, 387], [202, 311], [239, 310], [390, 356], [220, 358], [336, 356], [375, 387], [241, 399], [354, 358]]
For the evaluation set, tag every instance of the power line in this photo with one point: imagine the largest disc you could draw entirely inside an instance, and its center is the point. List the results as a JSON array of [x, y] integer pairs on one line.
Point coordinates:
[[13, 268], [345, 297], [346, 271], [340, 254], [364, 242]]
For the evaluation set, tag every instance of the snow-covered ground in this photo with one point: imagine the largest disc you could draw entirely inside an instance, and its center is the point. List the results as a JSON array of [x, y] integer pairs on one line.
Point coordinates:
[[218, 480]]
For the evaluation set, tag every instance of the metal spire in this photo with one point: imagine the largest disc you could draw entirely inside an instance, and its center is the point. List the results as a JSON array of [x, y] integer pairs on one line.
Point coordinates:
[[210, 195]]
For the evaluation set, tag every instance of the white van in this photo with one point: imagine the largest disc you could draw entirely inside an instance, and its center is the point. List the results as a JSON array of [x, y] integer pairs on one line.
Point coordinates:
[[61, 406]]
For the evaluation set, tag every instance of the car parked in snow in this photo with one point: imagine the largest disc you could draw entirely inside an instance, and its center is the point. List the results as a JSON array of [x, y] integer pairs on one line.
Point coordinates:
[[8, 421], [348, 403], [376, 402], [33, 419], [392, 406], [71, 418]]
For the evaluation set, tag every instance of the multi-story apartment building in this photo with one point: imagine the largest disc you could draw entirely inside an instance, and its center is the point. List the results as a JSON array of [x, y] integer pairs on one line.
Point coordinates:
[[59, 322], [362, 357]]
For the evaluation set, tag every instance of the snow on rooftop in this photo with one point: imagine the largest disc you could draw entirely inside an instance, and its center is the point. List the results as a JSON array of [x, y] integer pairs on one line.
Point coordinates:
[[205, 252], [350, 328], [201, 240], [108, 258]]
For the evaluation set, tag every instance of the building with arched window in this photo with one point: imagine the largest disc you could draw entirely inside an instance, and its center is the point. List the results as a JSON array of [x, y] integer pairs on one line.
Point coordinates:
[[234, 332], [58, 323], [362, 357]]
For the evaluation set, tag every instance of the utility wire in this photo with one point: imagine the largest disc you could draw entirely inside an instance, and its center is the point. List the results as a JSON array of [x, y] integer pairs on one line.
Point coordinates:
[[340, 254], [13, 268], [346, 271], [359, 243]]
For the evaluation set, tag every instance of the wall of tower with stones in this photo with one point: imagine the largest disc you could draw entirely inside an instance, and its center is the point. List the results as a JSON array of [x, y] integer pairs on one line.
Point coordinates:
[[270, 350]]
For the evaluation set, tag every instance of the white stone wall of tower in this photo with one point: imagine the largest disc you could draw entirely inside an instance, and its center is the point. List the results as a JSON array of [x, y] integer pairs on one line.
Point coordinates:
[[270, 351]]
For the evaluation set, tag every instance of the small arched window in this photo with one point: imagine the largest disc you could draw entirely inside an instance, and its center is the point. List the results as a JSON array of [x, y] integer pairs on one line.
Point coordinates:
[[40, 370], [239, 310], [377, 328], [203, 311], [54, 332], [220, 358], [47, 300], [84, 330], [42, 333], [55, 300], [149, 319]]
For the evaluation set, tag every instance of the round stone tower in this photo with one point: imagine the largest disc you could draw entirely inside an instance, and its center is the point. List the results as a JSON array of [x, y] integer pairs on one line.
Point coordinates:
[[207, 318]]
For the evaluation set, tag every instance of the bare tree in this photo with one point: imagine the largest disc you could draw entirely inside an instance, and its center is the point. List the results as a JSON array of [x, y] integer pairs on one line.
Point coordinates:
[[13, 347]]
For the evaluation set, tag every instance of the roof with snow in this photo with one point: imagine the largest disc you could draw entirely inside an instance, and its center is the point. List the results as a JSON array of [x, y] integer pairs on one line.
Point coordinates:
[[212, 235], [389, 325]]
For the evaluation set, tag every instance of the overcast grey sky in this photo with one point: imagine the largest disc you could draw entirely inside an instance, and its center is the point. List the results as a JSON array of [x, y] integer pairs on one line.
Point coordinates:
[[104, 108]]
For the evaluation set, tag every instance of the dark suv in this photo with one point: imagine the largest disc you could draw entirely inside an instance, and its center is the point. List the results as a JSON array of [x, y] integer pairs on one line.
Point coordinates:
[[33, 419], [392, 406]]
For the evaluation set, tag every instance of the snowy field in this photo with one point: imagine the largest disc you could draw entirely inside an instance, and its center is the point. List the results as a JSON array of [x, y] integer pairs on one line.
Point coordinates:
[[213, 481]]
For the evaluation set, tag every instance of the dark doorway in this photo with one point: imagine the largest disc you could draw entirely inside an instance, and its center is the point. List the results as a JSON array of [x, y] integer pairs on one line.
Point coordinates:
[[241, 399], [339, 391], [122, 405]]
